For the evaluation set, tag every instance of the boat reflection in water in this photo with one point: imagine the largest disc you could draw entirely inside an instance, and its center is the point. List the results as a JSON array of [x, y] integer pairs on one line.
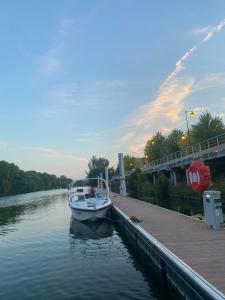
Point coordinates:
[[93, 230]]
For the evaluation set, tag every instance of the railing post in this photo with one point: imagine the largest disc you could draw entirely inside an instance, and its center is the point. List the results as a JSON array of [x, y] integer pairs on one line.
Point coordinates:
[[217, 141], [208, 144]]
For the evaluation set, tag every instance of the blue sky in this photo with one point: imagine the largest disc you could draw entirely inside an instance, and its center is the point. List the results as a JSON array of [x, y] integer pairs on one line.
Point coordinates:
[[100, 77]]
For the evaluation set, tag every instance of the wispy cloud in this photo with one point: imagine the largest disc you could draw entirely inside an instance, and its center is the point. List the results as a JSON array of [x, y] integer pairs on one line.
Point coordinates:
[[44, 159], [180, 65], [209, 81], [65, 27], [50, 62], [92, 96], [162, 113], [165, 109], [201, 30], [4, 145], [87, 136], [55, 153], [214, 30]]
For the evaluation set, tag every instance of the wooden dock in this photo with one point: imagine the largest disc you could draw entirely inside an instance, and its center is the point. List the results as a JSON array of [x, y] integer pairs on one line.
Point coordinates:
[[201, 248]]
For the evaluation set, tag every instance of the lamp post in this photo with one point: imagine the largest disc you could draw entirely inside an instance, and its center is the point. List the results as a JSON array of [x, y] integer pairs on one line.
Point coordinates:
[[192, 113]]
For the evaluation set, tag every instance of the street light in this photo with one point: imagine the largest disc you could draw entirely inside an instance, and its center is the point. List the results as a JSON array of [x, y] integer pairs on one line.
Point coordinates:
[[192, 114]]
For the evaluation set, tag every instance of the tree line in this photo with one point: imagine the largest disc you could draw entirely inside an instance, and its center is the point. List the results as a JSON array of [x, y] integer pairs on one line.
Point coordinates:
[[14, 181], [160, 145], [156, 147]]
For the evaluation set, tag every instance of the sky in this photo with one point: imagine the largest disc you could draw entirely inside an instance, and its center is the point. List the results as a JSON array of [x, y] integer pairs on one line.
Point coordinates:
[[98, 77]]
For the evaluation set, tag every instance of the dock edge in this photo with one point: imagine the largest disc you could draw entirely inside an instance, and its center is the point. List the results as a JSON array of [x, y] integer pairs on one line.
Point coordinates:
[[188, 283]]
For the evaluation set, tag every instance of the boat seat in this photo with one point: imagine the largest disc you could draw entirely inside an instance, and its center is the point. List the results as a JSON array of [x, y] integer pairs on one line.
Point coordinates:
[[91, 202]]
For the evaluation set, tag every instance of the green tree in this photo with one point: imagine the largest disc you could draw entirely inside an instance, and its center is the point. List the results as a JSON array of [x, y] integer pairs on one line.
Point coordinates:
[[130, 162], [172, 143], [97, 166], [136, 183], [15, 181], [207, 127], [156, 147]]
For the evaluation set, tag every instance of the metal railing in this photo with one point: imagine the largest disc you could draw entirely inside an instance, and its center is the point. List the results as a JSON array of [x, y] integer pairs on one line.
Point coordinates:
[[212, 145]]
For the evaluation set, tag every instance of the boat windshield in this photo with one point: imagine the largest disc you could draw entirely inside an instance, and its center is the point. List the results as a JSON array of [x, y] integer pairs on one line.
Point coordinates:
[[101, 195], [89, 188]]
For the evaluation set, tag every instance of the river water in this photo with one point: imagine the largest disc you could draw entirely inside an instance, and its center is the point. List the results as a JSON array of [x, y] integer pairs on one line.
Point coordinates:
[[44, 254]]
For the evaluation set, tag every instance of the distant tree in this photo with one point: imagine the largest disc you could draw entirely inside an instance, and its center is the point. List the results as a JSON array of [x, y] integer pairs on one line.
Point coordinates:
[[207, 127], [130, 162], [97, 166], [173, 141], [155, 147], [111, 172], [15, 181], [63, 181]]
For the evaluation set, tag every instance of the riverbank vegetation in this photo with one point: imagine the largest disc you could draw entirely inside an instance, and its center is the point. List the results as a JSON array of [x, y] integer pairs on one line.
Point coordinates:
[[14, 181], [163, 192], [161, 145]]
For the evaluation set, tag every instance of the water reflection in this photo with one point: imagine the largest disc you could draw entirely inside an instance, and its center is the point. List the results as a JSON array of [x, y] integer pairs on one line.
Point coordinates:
[[92, 230], [41, 260], [14, 208]]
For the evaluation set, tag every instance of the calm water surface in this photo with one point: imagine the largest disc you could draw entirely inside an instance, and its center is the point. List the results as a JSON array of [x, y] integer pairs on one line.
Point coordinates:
[[44, 254]]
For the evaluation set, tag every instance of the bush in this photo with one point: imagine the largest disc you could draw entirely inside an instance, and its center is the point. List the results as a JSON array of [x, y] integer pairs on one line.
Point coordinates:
[[162, 188]]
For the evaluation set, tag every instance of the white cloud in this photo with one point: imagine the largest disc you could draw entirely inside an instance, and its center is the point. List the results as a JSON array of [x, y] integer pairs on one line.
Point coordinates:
[[201, 30], [127, 137], [214, 30], [209, 81], [87, 136], [50, 62], [165, 109], [4, 145], [65, 27], [180, 64], [94, 96], [55, 153], [160, 114]]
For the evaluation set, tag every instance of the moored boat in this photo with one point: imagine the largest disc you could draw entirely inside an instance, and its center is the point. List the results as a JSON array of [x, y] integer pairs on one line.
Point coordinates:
[[89, 199]]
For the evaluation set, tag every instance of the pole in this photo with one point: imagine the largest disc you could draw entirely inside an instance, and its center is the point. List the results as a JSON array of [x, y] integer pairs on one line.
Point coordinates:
[[98, 183], [188, 131], [107, 175], [101, 181], [123, 191]]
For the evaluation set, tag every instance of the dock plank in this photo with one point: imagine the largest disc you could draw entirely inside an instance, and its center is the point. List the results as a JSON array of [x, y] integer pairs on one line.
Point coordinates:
[[201, 248]]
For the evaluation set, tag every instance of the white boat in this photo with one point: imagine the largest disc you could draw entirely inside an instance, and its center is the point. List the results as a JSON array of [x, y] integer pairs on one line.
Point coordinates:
[[89, 199]]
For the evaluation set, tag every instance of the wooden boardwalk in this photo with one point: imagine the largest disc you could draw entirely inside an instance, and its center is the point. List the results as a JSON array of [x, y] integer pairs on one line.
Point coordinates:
[[201, 248]]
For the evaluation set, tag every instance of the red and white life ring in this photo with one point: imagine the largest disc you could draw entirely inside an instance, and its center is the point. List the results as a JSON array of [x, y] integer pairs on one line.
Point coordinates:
[[198, 176]]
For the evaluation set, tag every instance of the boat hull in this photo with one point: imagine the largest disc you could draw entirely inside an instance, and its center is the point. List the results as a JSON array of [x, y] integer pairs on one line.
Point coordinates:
[[87, 215]]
